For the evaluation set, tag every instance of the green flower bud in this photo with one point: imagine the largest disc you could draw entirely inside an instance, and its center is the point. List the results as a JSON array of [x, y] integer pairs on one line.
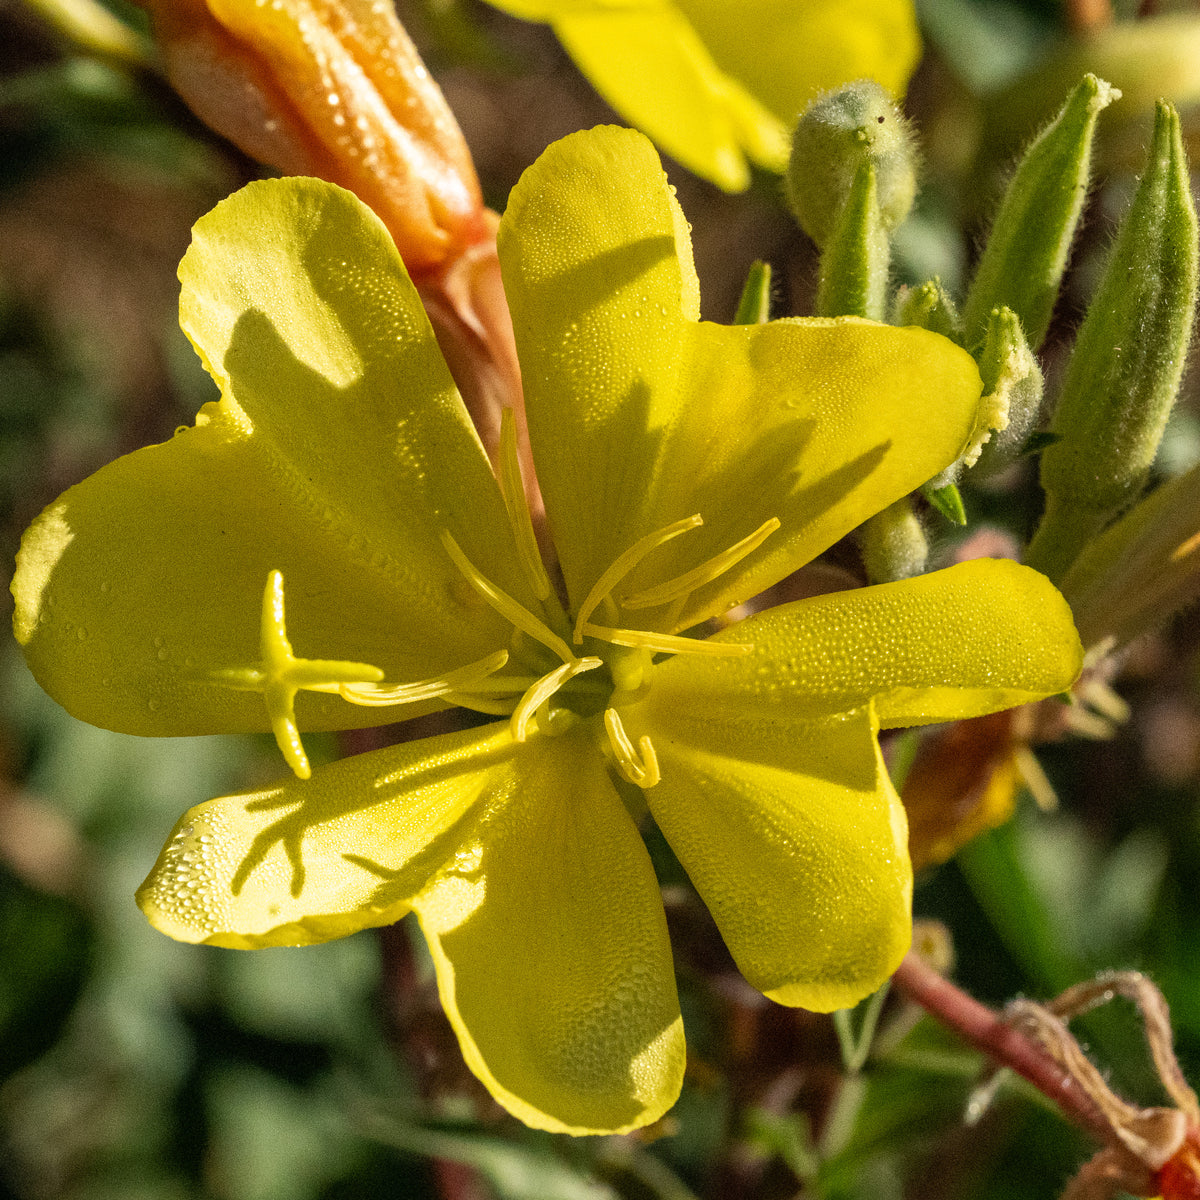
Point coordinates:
[[1013, 386], [835, 136], [1026, 253], [1128, 359], [754, 307], [854, 261], [893, 544], [930, 307], [1012, 393]]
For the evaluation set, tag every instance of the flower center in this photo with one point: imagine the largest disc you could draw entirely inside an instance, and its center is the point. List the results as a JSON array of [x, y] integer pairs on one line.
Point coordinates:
[[551, 682]]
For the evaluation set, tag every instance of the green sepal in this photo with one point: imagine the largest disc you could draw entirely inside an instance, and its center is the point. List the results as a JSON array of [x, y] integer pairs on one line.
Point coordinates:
[[1013, 386], [948, 501], [854, 260], [836, 135], [754, 307], [1129, 357], [1025, 256], [931, 307]]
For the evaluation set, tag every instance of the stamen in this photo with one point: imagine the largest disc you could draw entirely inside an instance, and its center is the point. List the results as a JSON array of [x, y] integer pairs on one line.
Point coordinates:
[[667, 643], [281, 675], [638, 768], [682, 585], [512, 488], [624, 563], [544, 689], [463, 678], [504, 604], [481, 704], [1035, 779]]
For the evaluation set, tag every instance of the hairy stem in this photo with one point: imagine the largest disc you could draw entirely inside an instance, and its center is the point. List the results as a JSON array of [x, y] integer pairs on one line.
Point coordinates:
[[990, 1033]]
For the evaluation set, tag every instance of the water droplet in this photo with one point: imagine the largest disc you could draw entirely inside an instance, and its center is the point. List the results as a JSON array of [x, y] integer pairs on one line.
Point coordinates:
[[162, 654], [152, 705], [106, 587]]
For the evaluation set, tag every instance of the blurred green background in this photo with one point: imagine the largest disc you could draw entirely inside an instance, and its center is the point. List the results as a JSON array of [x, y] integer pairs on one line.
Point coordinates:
[[133, 1068]]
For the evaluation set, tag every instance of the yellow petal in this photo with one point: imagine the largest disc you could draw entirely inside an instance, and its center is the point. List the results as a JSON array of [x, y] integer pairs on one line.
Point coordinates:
[[972, 639], [806, 47], [648, 62], [552, 955], [339, 453], [309, 860], [640, 415], [795, 839], [715, 82]]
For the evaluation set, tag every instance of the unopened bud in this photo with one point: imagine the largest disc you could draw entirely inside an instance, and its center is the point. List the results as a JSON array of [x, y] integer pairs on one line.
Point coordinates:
[[332, 88], [855, 258], [1128, 359], [1012, 386], [1026, 253], [754, 307], [893, 544], [929, 305], [836, 135]]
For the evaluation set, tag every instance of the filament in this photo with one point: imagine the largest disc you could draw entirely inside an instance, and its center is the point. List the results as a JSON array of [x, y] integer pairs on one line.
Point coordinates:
[[682, 585], [464, 679], [504, 604], [544, 689], [512, 488], [624, 563], [638, 766], [667, 643]]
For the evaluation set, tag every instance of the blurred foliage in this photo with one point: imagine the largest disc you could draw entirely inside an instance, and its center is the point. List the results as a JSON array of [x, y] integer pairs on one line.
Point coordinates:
[[133, 1068]]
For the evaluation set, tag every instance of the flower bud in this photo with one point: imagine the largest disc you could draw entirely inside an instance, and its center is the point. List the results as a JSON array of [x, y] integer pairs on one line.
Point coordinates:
[[1128, 359], [1013, 385], [754, 307], [893, 544], [854, 259], [836, 135], [929, 306], [1025, 256], [332, 88]]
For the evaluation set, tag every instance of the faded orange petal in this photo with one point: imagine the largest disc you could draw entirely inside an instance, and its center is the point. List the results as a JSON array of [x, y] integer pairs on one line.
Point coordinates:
[[963, 781], [332, 88]]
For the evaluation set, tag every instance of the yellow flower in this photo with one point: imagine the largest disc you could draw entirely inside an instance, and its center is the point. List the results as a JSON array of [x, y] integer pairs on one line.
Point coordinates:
[[717, 82], [336, 502]]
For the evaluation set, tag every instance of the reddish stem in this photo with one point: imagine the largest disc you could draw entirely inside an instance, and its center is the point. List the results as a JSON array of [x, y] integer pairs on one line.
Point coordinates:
[[989, 1032]]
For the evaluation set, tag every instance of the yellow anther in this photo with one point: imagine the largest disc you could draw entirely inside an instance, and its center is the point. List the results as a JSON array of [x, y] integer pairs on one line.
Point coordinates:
[[545, 687], [504, 604], [464, 679], [667, 643], [512, 488], [683, 585], [281, 675], [624, 563], [638, 766]]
